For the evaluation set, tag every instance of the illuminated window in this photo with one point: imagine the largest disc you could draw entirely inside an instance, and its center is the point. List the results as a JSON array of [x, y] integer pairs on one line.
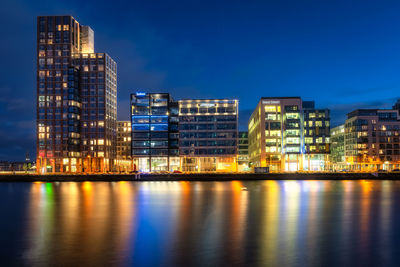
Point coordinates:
[[318, 123], [308, 140], [270, 108], [293, 140], [275, 133], [292, 115], [292, 149]]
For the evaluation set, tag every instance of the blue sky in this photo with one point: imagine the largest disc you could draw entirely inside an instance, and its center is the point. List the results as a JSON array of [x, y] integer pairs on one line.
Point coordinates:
[[342, 54]]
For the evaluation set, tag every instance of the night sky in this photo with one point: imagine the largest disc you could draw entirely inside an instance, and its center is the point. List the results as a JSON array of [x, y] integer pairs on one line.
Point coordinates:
[[342, 54]]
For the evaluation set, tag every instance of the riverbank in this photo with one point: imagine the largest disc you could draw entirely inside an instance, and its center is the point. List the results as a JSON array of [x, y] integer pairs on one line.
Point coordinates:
[[196, 177]]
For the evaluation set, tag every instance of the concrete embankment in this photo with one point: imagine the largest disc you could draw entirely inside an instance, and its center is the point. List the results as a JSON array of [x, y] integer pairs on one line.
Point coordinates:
[[197, 177]]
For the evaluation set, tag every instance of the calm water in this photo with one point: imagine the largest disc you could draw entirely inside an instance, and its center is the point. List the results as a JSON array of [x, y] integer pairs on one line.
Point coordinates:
[[275, 223]]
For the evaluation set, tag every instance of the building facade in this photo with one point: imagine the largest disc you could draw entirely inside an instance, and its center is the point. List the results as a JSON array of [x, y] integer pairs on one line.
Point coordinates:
[[208, 131], [98, 90], [68, 90], [371, 140], [124, 135], [243, 151], [316, 132], [287, 134], [337, 158], [155, 133]]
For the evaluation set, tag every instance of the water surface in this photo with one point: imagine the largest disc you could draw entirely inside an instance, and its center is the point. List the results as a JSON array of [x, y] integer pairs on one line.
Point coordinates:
[[257, 223]]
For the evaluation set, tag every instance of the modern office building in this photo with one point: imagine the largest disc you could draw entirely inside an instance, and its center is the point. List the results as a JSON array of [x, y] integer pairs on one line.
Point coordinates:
[[208, 132], [287, 134], [76, 99], [372, 139], [155, 134], [337, 158], [316, 132], [243, 151]]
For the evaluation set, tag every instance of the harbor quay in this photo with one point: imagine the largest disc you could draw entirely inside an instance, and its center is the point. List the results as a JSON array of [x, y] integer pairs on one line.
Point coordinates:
[[197, 177]]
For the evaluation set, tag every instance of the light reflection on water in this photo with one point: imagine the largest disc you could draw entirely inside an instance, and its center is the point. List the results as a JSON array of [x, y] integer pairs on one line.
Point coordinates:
[[258, 223]]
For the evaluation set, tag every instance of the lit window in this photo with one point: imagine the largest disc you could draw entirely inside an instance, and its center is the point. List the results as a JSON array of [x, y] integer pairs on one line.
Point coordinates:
[[270, 108]]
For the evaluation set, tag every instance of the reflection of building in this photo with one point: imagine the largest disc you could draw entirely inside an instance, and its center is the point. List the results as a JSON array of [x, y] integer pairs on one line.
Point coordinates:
[[208, 132], [287, 134], [76, 99], [155, 133], [243, 151], [124, 162], [372, 139], [337, 158]]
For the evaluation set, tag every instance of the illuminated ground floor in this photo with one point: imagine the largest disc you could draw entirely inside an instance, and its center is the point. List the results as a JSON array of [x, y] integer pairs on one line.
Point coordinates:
[[371, 167], [156, 164], [293, 162], [74, 165], [124, 165], [209, 164]]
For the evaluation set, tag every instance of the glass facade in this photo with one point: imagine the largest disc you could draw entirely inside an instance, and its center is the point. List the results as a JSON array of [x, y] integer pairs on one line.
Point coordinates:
[[208, 132], [337, 158], [243, 151], [288, 134], [155, 133]]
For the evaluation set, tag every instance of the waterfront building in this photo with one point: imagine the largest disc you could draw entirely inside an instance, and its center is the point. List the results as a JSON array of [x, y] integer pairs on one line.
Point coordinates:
[[124, 140], [208, 132], [316, 132], [372, 139], [98, 120], [337, 158], [287, 134], [76, 99], [124, 135], [155, 134], [243, 151]]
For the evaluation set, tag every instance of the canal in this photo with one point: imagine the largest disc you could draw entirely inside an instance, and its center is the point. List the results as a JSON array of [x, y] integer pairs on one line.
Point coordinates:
[[254, 223]]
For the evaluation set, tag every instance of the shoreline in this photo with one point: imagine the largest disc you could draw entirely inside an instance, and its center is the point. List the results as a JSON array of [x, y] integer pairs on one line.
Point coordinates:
[[196, 177]]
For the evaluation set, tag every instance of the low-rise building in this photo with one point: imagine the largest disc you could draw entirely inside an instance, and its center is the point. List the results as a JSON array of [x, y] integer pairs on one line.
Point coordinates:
[[287, 134], [337, 158], [208, 131], [124, 162], [316, 131], [243, 151], [372, 139]]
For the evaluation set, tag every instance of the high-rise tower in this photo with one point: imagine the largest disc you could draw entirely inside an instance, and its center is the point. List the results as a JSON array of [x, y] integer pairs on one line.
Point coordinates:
[[76, 99]]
